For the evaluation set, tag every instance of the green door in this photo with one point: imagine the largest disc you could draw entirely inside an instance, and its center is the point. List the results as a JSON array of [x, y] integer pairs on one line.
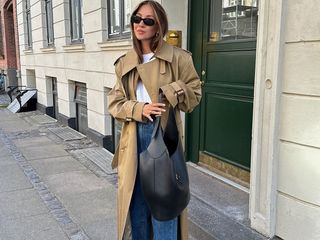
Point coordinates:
[[225, 59]]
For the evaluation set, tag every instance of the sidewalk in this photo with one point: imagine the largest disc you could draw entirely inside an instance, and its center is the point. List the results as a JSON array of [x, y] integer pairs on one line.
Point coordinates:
[[56, 184]]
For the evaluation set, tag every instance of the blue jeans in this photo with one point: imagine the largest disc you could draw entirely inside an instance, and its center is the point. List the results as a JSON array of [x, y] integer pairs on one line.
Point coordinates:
[[141, 219]]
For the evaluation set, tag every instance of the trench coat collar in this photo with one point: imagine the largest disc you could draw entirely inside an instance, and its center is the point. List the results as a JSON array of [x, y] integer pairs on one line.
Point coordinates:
[[131, 60]]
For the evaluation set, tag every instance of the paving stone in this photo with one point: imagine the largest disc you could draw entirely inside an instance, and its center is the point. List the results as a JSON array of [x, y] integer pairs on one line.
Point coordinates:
[[104, 229], [95, 211], [5, 156], [31, 142], [43, 152], [38, 227], [51, 166], [7, 160], [89, 206], [22, 203], [75, 182], [12, 178], [14, 125], [6, 115]]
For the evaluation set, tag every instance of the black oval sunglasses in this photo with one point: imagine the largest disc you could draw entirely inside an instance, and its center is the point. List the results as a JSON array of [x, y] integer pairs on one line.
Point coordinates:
[[147, 21]]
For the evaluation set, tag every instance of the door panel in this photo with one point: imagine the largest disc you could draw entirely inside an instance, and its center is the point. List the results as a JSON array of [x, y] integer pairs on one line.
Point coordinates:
[[226, 128], [231, 67]]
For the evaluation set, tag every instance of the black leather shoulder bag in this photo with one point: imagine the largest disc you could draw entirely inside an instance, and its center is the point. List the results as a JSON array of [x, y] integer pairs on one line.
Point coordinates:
[[163, 172]]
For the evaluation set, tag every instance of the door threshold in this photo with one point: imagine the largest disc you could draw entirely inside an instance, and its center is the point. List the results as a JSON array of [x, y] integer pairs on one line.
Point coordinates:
[[219, 177], [225, 169]]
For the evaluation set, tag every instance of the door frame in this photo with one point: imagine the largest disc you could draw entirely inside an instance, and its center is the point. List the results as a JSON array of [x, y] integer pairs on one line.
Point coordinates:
[[266, 117], [266, 112]]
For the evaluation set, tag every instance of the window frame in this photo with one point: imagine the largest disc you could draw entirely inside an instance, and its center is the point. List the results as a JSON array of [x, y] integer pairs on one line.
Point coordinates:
[[28, 30], [79, 24], [122, 33], [49, 22]]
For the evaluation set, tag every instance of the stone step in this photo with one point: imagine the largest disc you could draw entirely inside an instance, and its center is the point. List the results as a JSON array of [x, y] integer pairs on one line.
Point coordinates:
[[218, 210]]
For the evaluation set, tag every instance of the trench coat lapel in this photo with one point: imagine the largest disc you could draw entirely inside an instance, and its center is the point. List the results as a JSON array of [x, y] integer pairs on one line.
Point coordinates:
[[148, 73], [131, 59]]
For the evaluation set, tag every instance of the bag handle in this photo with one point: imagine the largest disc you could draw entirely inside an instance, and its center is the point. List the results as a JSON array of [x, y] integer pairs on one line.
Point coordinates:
[[158, 118]]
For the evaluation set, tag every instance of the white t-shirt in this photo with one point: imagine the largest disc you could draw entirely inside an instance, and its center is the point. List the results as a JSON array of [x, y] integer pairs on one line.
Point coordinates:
[[141, 91]]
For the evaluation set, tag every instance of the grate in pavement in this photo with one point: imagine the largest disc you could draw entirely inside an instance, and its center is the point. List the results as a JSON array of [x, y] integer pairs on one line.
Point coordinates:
[[66, 133], [101, 157], [43, 119]]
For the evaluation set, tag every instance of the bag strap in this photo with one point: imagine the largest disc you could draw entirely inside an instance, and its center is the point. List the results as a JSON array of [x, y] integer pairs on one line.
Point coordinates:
[[157, 122]]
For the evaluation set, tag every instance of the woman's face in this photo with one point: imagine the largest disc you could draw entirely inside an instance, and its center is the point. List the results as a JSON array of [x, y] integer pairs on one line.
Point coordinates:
[[142, 31]]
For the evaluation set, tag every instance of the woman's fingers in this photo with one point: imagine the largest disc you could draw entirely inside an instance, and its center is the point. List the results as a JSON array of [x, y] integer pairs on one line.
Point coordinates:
[[148, 116], [153, 109]]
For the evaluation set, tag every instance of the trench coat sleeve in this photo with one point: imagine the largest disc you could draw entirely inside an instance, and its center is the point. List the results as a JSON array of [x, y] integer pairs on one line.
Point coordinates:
[[120, 107], [185, 92]]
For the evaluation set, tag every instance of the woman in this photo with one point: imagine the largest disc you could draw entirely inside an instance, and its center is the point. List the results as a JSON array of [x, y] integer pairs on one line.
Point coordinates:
[[151, 65]]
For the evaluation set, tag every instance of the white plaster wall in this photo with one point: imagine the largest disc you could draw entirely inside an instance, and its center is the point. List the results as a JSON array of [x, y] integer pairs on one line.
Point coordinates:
[[91, 64], [298, 206], [177, 12], [298, 219]]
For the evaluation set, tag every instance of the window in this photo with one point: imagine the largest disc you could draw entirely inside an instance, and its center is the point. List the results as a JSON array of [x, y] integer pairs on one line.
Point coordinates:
[[119, 12], [28, 25], [233, 20], [49, 22], [76, 20]]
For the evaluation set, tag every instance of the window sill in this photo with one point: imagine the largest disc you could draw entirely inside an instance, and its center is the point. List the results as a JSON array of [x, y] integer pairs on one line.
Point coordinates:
[[115, 45], [28, 51], [75, 47], [48, 49]]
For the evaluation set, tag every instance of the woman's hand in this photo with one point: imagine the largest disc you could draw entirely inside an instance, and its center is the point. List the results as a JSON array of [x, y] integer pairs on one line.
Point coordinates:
[[153, 109]]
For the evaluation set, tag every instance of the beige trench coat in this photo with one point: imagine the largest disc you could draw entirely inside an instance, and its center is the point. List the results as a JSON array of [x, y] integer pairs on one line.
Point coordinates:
[[172, 71]]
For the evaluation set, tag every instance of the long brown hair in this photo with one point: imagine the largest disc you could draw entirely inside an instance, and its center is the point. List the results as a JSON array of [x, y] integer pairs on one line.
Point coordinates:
[[162, 22]]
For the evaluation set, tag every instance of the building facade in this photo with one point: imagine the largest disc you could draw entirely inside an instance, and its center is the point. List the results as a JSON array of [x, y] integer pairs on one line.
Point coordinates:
[[259, 120], [9, 42]]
